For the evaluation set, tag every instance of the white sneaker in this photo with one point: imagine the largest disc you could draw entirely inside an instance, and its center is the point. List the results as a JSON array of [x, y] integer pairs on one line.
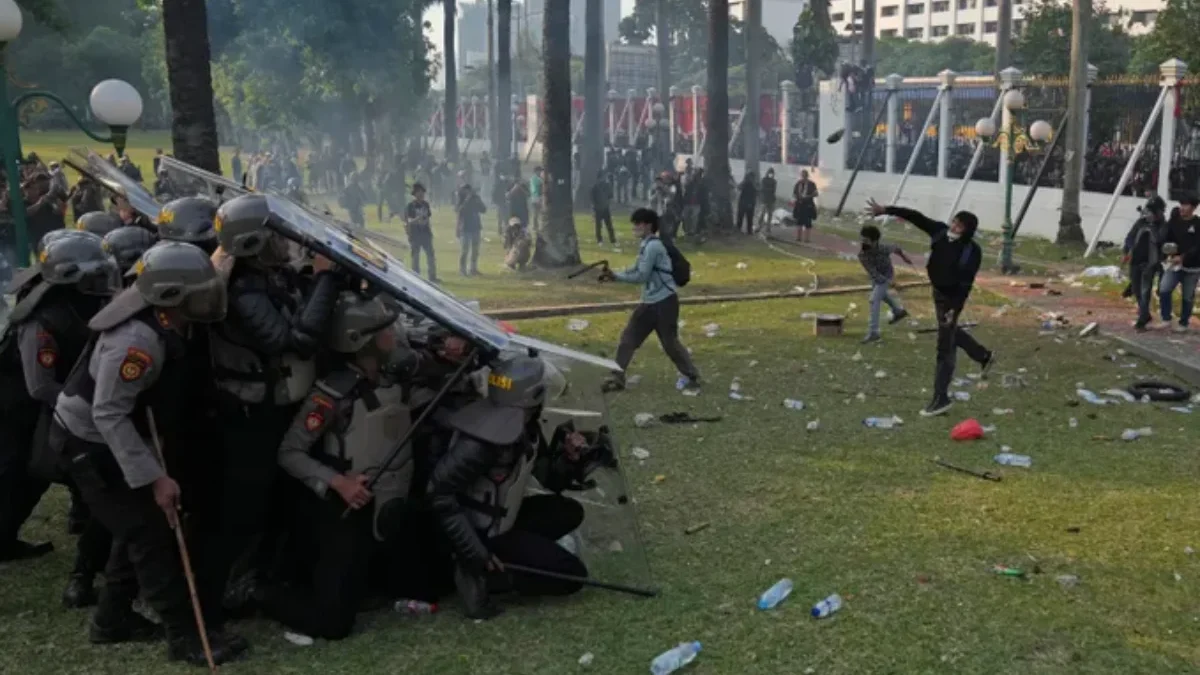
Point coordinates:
[[1180, 328]]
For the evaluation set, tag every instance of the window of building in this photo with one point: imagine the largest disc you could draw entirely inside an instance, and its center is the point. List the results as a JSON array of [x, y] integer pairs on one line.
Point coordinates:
[[916, 9], [888, 32], [1018, 26], [941, 31], [964, 29], [990, 27], [858, 15], [941, 6], [989, 3], [968, 4], [837, 16], [890, 10], [914, 33]]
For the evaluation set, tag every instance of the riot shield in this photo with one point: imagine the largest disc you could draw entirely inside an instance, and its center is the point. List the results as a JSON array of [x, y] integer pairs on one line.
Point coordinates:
[[609, 542], [87, 162]]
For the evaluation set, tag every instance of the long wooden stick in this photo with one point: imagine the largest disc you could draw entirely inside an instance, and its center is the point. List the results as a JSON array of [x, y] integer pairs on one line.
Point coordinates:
[[183, 553]]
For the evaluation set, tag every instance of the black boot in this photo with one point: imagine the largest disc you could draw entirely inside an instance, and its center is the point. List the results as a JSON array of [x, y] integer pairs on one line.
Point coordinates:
[[473, 591], [188, 648], [77, 516], [79, 592], [131, 628]]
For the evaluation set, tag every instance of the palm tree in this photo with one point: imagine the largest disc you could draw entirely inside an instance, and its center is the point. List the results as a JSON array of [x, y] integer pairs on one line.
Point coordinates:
[[1070, 230], [662, 32], [450, 62], [561, 245], [754, 50], [716, 145], [189, 75], [503, 103], [592, 139]]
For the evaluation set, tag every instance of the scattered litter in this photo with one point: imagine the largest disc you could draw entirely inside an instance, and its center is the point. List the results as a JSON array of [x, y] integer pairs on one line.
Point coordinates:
[[1010, 459], [711, 329], [1073, 423], [298, 639], [692, 392], [914, 323], [698, 527], [808, 316], [962, 396], [1009, 381], [989, 429], [986, 475], [860, 396], [847, 256], [1178, 577], [742, 266], [640, 453], [1089, 329], [776, 594], [827, 607], [1000, 312], [1182, 409], [1189, 550], [1134, 434], [658, 479], [1002, 411], [1053, 321], [739, 396], [813, 425], [414, 607], [882, 422], [857, 356], [643, 420], [578, 324], [586, 659], [674, 659], [973, 376], [793, 404], [540, 284], [633, 380], [1022, 370], [1091, 397], [959, 382], [967, 430], [1006, 571], [851, 307], [912, 336], [880, 374], [753, 363], [615, 546], [1111, 271], [1067, 580], [1120, 393]]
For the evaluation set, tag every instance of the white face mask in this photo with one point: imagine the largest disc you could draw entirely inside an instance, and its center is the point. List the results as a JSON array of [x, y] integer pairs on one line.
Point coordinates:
[[953, 236]]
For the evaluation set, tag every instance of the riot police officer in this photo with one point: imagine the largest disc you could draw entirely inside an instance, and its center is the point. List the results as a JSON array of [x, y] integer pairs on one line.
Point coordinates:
[[477, 489], [99, 223], [342, 437], [262, 358], [128, 384], [189, 219], [77, 278], [126, 245]]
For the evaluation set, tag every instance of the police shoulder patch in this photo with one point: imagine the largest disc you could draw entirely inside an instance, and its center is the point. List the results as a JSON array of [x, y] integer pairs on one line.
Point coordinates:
[[47, 357], [314, 421], [135, 365]]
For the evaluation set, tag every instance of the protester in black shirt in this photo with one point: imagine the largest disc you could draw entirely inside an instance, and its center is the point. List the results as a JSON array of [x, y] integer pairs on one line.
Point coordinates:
[[1183, 266], [417, 225], [747, 198]]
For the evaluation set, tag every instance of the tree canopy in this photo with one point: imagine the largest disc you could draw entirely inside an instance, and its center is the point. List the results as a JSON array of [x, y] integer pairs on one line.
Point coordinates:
[[926, 59], [814, 43], [1044, 47]]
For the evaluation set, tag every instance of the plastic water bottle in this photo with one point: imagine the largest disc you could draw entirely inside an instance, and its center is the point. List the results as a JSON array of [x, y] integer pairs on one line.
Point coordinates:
[[827, 607], [793, 404], [1010, 459], [1090, 397], [879, 422], [775, 594], [414, 607], [1073, 423], [672, 660]]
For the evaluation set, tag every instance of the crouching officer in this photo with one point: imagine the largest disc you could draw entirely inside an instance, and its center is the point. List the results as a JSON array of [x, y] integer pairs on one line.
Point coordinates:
[[477, 491], [344, 433], [77, 279], [127, 244], [139, 358], [190, 220], [262, 359]]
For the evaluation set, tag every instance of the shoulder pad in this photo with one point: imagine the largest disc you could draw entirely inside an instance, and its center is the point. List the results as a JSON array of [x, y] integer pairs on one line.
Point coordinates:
[[25, 307], [340, 383]]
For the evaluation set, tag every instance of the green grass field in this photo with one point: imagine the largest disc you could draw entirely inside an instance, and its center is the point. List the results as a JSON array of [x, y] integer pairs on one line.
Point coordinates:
[[846, 509]]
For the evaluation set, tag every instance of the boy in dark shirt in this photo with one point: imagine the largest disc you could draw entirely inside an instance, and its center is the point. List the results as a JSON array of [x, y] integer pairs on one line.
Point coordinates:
[[876, 259], [470, 229], [1183, 266], [420, 232]]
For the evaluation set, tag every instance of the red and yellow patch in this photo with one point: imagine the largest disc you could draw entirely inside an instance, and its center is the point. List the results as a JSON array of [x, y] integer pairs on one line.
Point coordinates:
[[314, 421], [135, 365], [322, 402], [47, 357]]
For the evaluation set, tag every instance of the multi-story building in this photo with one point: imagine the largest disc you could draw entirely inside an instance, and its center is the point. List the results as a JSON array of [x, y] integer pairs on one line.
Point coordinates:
[[933, 20], [779, 17], [578, 29]]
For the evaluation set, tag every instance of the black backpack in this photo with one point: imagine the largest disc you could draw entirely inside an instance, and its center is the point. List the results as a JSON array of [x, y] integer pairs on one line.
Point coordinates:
[[681, 269]]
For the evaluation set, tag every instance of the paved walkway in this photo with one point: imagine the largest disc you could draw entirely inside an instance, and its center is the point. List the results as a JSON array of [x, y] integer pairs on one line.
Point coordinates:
[[1179, 353]]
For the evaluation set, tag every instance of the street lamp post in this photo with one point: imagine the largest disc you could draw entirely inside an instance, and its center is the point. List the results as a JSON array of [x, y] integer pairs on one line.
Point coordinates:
[[1014, 144], [114, 102]]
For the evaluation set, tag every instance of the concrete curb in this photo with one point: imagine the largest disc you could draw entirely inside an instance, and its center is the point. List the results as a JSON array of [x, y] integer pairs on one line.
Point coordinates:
[[1188, 372], [604, 307]]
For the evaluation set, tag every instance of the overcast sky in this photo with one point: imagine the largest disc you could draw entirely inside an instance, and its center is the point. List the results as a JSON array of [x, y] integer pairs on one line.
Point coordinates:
[[434, 16]]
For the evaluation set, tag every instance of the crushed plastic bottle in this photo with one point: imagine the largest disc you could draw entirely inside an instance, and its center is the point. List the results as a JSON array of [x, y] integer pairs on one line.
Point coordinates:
[[827, 607], [1073, 423], [672, 660], [587, 659], [813, 425], [1134, 434], [643, 420], [776, 594], [1010, 459], [880, 422], [962, 396], [1091, 397], [793, 404], [414, 607]]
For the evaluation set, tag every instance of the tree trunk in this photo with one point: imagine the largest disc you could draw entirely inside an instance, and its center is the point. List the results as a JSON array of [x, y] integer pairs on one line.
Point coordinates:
[[662, 32], [1069, 229], [754, 50], [491, 66], [1004, 36], [592, 138], [868, 32], [503, 106], [716, 145], [193, 121], [450, 61], [559, 246]]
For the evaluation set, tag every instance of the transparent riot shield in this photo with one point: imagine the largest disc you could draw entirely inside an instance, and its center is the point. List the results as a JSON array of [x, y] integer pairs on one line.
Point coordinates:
[[188, 181], [609, 542], [100, 170]]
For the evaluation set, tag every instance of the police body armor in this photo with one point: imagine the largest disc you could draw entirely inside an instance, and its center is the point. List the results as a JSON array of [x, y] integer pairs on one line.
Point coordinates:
[[369, 422], [494, 501], [251, 378]]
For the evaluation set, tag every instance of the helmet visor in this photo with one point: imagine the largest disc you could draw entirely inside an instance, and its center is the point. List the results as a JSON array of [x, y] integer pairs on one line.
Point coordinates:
[[99, 278], [205, 303]]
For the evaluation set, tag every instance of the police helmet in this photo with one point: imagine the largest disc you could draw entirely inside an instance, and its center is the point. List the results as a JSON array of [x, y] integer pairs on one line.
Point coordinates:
[[517, 382], [182, 277], [98, 223], [356, 321], [127, 244], [241, 225], [188, 219], [80, 261], [54, 235]]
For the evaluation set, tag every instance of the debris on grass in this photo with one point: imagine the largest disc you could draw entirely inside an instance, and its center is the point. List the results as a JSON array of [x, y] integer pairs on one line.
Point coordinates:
[[1000, 312], [639, 453], [880, 374], [1089, 329], [1112, 272], [882, 422], [1121, 394], [1134, 434], [967, 430], [742, 266], [587, 659], [962, 396], [861, 397], [1073, 423], [1006, 571], [698, 527], [1178, 577], [793, 404], [813, 425], [658, 479], [1091, 397], [1010, 459], [1067, 580], [633, 380], [776, 594], [711, 329], [1182, 409], [857, 356], [1002, 411], [1189, 550], [912, 336], [989, 429], [753, 363], [578, 325], [643, 420], [298, 639], [540, 284]]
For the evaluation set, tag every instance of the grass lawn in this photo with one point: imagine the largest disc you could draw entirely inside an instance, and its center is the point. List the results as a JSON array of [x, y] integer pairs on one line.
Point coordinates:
[[845, 509]]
